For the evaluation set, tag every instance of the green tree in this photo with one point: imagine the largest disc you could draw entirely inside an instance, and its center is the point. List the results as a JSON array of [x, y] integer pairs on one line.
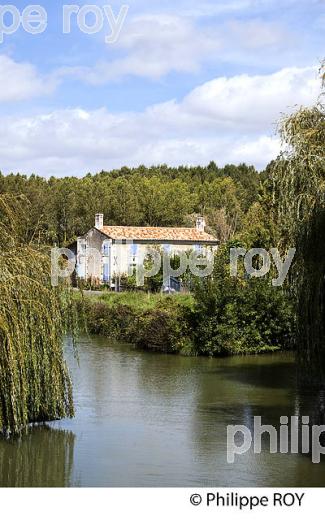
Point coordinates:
[[299, 191], [34, 380], [239, 314]]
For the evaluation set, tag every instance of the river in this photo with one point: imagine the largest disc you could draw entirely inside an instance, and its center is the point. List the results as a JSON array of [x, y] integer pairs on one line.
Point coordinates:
[[148, 419]]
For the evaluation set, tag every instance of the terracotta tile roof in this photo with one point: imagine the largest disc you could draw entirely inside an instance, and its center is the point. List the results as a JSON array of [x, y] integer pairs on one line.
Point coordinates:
[[158, 233]]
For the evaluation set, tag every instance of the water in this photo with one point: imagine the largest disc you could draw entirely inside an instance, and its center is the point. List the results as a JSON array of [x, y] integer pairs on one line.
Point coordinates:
[[148, 419]]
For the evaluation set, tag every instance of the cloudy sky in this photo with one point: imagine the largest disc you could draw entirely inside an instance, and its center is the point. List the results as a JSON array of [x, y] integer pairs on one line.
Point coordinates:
[[186, 82]]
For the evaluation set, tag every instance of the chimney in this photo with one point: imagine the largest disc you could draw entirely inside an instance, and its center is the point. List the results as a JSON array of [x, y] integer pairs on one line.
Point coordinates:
[[200, 224], [99, 221]]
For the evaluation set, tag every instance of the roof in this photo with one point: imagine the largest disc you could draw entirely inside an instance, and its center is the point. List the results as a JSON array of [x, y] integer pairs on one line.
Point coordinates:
[[163, 234]]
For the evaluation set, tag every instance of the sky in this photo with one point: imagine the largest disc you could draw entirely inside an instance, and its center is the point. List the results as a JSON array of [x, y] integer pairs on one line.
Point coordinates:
[[178, 82]]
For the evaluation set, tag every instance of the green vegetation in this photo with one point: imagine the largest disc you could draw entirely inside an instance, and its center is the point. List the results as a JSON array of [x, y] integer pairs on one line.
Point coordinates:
[[62, 209], [34, 380], [152, 321], [144, 301], [240, 315], [224, 316], [299, 182]]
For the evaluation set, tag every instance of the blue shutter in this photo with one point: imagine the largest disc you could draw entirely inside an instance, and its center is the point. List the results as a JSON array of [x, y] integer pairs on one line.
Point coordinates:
[[134, 249], [105, 273]]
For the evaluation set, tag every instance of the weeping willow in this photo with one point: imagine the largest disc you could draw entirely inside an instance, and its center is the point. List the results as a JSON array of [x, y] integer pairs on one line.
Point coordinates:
[[299, 193], [34, 381]]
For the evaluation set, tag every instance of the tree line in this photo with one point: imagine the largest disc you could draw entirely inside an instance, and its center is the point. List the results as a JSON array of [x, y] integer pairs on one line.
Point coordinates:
[[57, 210]]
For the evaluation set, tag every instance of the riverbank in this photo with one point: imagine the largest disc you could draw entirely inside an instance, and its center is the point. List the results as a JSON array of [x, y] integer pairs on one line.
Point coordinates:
[[151, 321], [172, 324]]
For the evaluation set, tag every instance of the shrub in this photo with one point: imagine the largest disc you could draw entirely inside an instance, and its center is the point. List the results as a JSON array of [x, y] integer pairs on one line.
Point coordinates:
[[157, 323], [240, 315]]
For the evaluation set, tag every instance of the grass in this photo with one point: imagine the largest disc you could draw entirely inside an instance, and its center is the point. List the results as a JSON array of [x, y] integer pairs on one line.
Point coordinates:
[[143, 301]]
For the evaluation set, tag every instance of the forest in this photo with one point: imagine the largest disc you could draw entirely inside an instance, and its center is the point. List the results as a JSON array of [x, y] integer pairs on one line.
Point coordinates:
[[233, 200]]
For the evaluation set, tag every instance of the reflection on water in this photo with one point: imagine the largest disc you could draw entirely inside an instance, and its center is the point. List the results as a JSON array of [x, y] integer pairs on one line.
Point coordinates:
[[146, 419], [43, 457]]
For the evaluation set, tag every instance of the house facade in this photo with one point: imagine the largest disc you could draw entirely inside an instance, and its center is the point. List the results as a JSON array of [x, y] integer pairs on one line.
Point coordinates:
[[106, 252]]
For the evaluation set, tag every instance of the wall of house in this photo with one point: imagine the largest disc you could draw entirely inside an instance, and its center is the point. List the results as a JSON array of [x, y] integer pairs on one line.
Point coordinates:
[[90, 266], [124, 255], [112, 258]]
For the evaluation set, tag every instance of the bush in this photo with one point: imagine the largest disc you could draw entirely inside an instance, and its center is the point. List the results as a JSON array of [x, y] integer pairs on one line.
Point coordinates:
[[240, 315], [165, 330], [155, 323], [115, 322]]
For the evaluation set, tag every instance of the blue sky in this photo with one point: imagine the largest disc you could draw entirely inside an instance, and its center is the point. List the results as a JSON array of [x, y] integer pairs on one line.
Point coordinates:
[[185, 83]]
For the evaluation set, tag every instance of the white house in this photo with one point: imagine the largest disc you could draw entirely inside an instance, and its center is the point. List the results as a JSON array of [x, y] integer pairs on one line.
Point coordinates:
[[108, 251]]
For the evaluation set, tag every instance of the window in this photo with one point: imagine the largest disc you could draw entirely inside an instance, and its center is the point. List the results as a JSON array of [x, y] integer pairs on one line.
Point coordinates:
[[133, 254]]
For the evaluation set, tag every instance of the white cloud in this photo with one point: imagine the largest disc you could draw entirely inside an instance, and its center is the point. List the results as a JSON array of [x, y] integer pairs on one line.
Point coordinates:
[[226, 120], [252, 102], [255, 34], [21, 81], [152, 46]]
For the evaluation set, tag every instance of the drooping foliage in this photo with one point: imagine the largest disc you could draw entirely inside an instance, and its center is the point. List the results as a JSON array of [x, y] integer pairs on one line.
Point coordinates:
[[34, 380], [299, 194]]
